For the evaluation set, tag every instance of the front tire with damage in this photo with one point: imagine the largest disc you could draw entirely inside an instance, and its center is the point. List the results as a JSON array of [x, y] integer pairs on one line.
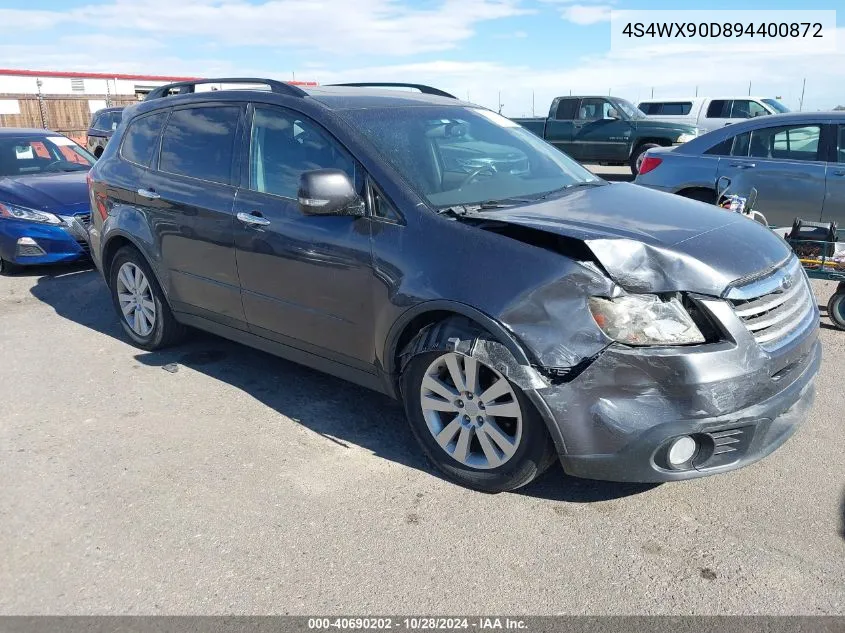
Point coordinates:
[[477, 427]]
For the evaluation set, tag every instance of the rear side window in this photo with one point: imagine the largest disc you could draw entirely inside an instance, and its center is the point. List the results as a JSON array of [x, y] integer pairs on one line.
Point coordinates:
[[719, 109], [200, 143], [141, 138], [566, 109]]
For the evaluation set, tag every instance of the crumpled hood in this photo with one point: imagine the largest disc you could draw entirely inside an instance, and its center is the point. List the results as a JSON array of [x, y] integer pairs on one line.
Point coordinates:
[[63, 193], [649, 241]]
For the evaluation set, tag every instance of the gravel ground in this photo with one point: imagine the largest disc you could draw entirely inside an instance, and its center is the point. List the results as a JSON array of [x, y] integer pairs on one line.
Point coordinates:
[[213, 479]]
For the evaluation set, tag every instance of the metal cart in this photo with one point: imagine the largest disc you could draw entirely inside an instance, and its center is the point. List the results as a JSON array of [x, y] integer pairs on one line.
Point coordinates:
[[825, 259]]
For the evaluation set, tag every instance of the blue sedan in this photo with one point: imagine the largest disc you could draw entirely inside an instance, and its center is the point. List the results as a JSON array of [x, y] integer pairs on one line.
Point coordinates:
[[44, 204]]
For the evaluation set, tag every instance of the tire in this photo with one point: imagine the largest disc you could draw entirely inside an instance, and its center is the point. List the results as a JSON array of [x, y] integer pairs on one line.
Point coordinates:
[[637, 153], [836, 308], [164, 330], [7, 268], [533, 450]]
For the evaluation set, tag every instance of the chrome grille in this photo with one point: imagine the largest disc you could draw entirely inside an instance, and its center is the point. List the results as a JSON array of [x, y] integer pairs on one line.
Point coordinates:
[[776, 306]]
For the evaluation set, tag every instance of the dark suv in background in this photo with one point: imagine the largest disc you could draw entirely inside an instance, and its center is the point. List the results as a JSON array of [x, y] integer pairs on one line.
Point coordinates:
[[103, 124], [433, 250]]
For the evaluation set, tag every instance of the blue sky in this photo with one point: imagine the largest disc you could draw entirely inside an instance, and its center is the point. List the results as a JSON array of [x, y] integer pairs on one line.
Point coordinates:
[[471, 47]]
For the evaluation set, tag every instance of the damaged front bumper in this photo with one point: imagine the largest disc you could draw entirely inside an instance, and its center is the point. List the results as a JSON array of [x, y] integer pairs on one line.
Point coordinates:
[[617, 418]]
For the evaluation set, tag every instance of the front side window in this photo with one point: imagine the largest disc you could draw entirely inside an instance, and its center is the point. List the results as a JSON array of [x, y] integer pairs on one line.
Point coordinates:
[[455, 155], [285, 144], [141, 138], [591, 109], [42, 155], [200, 143], [745, 109], [786, 142]]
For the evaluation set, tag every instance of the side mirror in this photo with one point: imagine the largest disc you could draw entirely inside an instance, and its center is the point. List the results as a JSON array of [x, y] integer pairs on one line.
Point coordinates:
[[612, 114], [328, 192]]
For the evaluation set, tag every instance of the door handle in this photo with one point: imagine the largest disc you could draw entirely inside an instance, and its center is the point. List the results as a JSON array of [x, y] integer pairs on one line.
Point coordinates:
[[253, 219], [149, 194], [743, 165], [840, 172]]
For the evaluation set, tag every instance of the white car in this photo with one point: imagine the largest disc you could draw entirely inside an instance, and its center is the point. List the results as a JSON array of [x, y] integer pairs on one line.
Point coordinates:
[[710, 113]]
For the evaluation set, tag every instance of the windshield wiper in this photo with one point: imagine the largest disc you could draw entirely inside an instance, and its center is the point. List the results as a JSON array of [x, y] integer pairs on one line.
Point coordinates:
[[487, 205], [586, 183]]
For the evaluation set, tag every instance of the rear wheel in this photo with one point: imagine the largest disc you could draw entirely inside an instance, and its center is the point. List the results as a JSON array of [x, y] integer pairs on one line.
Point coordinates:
[[836, 308], [140, 303], [477, 427], [639, 154]]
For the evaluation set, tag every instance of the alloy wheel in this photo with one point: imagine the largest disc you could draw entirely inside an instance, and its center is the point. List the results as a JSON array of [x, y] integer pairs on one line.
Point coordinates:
[[471, 411], [136, 299]]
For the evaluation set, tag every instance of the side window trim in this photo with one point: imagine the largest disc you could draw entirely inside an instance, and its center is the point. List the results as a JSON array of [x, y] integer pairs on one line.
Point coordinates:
[[245, 181], [373, 190], [233, 181]]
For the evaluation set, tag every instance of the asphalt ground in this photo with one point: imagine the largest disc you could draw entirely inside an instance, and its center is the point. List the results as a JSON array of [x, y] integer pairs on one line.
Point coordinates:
[[212, 478]]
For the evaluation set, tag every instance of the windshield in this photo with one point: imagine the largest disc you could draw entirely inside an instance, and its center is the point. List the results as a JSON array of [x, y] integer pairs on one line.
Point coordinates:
[[41, 155], [629, 108], [776, 105], [463, 156]]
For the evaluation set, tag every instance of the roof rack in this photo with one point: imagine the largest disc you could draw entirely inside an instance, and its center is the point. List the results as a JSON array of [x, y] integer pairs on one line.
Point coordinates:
[[428, 90], [187, 87]]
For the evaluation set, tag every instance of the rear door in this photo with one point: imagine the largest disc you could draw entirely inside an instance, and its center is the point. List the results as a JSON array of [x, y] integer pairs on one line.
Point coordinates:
[[559, 127], [785, 163], [834, 202], [188, 198]]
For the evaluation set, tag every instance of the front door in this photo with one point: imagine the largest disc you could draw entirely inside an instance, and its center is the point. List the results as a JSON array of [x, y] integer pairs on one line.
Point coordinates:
[[599, 133], [306, 280], [784, 164]]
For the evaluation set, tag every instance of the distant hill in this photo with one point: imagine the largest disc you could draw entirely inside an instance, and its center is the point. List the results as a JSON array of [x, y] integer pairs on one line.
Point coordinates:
[[839, 107]]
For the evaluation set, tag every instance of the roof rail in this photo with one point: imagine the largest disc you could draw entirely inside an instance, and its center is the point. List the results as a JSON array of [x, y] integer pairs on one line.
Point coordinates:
[[186, 87], [428, 90]]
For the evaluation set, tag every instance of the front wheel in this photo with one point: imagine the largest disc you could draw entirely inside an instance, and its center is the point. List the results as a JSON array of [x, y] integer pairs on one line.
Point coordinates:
[[638, 155], [477, 427], [836, 308]]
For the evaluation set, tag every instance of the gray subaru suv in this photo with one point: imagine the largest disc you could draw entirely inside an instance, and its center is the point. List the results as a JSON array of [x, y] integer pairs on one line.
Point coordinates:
[[520, 307]]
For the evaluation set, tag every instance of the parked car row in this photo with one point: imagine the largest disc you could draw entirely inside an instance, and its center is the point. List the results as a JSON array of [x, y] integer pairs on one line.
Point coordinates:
[[522, 308], [606, 130], [709, 113]]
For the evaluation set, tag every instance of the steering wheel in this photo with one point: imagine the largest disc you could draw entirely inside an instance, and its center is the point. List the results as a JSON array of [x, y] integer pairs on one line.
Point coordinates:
[[475, 174]]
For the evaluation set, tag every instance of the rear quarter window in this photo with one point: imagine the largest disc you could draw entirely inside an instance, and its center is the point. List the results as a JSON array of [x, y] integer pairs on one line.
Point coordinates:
[[140, 140]]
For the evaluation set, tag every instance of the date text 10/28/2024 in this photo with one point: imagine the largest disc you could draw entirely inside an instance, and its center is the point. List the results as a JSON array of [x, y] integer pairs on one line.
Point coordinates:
[[418, 624]]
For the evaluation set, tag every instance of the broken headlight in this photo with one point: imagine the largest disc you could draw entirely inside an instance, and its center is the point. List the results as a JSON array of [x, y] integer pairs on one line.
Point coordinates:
[[645, 320]]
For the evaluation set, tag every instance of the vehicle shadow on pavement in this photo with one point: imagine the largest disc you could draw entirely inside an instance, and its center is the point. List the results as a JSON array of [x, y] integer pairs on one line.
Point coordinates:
[[339, 411]]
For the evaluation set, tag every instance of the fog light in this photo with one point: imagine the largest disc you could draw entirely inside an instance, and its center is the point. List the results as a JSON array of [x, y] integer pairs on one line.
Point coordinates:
[[682, 450], [28, 247]]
